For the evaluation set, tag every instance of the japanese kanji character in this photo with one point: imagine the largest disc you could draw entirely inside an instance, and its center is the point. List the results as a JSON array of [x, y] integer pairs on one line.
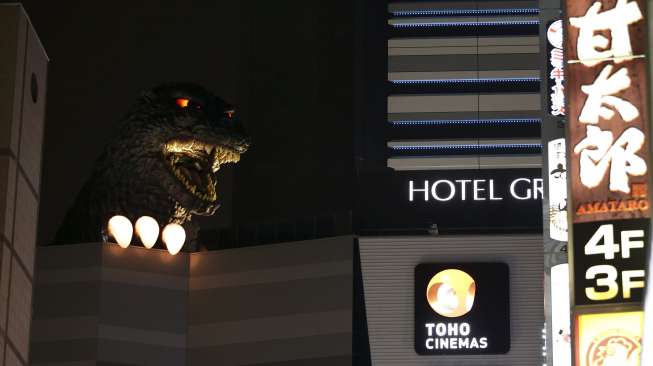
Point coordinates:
[[557, 57], [597, 154], [600, 93], [557, 74], [591, 47]]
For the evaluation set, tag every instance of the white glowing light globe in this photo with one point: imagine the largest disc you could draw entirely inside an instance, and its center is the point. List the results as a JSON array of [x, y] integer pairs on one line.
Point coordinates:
[[147, 230], [121, 229], [173, 236]]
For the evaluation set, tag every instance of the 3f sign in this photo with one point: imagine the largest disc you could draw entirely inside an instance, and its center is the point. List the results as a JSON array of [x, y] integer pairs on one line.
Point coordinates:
[[605, 275]]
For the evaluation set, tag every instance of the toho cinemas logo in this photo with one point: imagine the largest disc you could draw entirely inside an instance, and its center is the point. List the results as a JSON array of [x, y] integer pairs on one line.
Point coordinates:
[[444, 190], [451, 293], [461, 308]]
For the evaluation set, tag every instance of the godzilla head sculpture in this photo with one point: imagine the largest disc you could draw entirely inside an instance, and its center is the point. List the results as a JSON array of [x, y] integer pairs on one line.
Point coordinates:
[[162, 163]]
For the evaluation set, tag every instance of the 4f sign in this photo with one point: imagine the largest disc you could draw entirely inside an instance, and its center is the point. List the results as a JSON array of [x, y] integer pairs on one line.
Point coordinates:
[[609, 265]]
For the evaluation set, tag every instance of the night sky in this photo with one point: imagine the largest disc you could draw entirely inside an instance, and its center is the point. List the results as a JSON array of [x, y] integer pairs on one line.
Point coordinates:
[[287, 67]]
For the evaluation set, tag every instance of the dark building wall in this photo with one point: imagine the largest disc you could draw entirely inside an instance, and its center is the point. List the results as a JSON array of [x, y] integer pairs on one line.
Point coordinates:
[[299, 80], [287, 304]]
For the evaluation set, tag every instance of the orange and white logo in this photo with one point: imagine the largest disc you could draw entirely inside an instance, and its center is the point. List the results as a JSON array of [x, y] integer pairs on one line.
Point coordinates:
[[451, 293], [610, 349], [609, 339]]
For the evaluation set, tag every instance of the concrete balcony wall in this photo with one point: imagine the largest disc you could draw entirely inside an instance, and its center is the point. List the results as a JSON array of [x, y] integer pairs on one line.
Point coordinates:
[[96, 302], [288, 304], [285, 304], [23, 74]]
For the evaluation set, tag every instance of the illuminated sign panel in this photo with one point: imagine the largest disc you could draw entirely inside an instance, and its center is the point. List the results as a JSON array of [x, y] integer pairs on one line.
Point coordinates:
[[522, 188], [560, 317], [609, 339], [608, 114], [609, 264], [609, 164], [462, 308], [496, 199], [557, 163], [556, 68], [608, 131]]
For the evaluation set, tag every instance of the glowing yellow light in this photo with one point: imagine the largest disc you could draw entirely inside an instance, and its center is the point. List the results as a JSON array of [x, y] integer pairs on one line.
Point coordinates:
[[610, 339], [451, 293], [173, 236], [147, 230], [121, 229]]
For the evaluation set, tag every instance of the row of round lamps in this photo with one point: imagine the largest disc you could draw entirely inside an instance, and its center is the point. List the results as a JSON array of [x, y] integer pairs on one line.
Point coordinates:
[[147, 229]]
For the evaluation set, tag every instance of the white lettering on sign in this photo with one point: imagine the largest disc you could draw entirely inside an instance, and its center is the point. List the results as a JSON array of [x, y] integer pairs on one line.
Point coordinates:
[[412, 190], [452, 336], [556, 58], [444, 190], [452, 190], [557, 190], [598, 153], [606, 275], [600, 93], [592, 47]]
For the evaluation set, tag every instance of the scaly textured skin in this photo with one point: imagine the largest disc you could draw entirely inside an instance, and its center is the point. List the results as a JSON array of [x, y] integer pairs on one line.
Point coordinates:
[[133, 176]]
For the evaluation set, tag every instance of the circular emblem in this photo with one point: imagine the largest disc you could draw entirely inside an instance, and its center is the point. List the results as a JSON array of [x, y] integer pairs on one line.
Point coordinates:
[[451, 293], [554, 34], [615, 347]]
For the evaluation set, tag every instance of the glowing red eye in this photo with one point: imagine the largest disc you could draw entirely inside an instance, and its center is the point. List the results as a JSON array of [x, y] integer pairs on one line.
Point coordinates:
[[182, 102]]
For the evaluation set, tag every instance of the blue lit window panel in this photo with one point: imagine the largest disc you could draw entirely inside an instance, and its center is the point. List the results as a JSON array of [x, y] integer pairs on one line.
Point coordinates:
[[467, 122], [467, 81], [464, 149], [503, 23], [463, 12]]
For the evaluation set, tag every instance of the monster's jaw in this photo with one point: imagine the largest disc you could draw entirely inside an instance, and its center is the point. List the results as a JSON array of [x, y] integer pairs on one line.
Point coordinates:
[[195, 163]]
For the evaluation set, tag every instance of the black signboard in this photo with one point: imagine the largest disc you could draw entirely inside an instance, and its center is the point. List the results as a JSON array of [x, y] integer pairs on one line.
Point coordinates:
[[496, 200], [462, 308], [610, 261]]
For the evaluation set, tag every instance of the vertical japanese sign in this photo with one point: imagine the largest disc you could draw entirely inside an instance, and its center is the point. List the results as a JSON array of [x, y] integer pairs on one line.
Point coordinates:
[[557, 164], [608, 113], [608, 156], [556, 68]]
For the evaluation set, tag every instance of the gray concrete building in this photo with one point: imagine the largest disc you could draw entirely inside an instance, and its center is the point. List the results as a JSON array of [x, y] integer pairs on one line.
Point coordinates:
[[23, 77]]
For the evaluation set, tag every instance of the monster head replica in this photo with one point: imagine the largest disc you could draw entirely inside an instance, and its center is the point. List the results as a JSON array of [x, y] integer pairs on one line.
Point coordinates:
[[162, 163]]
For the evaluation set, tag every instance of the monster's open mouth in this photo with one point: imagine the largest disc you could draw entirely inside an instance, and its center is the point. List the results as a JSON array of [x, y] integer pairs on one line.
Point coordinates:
[[195, 163]]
